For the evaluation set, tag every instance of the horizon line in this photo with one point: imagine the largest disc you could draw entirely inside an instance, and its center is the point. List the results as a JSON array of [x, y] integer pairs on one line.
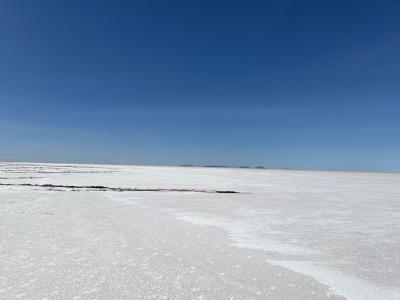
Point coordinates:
[[209, 166]]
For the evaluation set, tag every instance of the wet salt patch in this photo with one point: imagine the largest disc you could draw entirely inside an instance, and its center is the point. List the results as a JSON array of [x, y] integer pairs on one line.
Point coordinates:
[[244, 235], [341, 284]]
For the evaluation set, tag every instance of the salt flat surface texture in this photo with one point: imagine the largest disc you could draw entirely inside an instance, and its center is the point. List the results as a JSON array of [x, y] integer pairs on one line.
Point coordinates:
[[66, 233]]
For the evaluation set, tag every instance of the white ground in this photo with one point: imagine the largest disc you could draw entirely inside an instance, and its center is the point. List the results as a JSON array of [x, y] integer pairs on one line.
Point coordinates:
[[288, 235]]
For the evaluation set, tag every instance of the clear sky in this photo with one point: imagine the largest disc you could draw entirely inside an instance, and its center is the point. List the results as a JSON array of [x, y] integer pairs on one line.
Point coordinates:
[[299, 84]]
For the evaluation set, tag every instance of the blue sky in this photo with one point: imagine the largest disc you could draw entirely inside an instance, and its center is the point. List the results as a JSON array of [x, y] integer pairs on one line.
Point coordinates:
[[298, 84]]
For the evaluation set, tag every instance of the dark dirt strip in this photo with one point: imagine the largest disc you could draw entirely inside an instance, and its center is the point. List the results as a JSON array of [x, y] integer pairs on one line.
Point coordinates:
[[115, 189]]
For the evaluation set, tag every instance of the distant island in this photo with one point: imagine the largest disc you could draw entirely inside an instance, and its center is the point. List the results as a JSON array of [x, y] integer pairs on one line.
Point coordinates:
[[223, 166]]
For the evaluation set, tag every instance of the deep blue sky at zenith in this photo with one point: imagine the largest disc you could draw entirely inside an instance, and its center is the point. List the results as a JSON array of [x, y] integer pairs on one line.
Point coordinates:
[[301, 84]]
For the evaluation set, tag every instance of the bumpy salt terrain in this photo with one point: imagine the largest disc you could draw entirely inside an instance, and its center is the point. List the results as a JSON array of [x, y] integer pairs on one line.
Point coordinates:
[[127, 232]]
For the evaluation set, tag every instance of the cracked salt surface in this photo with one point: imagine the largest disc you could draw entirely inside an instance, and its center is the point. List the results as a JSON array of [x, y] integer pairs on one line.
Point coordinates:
[[289, 235]]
